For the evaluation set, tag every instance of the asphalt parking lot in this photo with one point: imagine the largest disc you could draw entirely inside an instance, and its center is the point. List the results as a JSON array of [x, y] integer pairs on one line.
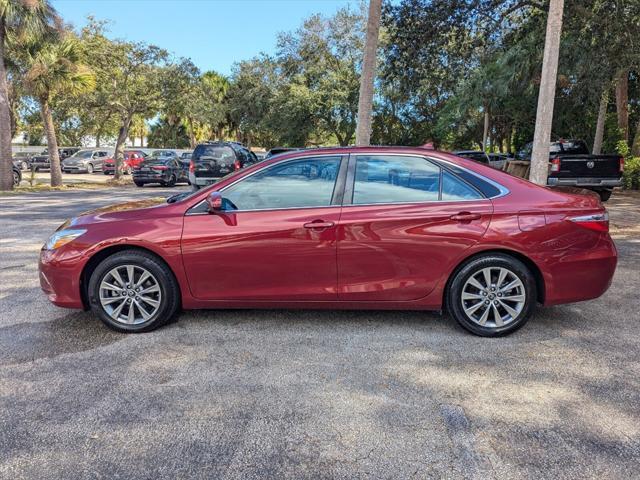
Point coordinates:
[[289, 394]]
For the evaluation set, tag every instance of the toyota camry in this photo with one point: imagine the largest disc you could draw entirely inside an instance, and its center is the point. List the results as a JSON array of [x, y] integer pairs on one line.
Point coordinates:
[[338, 228]]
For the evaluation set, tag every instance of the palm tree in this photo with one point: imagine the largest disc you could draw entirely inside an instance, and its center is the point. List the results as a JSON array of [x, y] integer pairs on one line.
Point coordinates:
[[365, 101], [546, 96], [18, 19], [54, 68]]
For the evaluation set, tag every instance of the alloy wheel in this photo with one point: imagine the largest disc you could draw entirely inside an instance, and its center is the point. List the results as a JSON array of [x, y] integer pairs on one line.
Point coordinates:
[[130, 294], [493, 297]]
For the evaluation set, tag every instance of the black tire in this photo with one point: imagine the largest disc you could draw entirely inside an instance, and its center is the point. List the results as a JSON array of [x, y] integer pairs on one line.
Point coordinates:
[[17, 178], [138, 184], [105, 172], [171, 182], [170, 291], [605, 195], [454, 302], [90, 168]]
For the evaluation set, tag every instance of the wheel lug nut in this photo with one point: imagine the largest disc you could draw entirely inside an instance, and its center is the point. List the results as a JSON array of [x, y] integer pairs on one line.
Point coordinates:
[[499, 294], [495, 302], [486, 302]]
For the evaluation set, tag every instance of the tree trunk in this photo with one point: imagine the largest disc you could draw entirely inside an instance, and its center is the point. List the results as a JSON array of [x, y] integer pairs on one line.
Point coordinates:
[[365, 100], [546, 95], [192, 136], [52, 143], [6, 164], [98, 140], [635, 148], [118, 155], [485, 132], [622, 103], [602, 116]]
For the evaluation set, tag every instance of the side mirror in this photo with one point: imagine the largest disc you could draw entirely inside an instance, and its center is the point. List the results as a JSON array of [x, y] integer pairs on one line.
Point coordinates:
[[214, 201]]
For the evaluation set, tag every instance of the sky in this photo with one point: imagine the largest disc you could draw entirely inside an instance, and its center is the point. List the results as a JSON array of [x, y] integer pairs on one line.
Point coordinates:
[[213, 33]]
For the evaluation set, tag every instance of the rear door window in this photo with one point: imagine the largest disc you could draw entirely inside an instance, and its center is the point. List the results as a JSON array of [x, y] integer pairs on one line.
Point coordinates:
[[395, 179]]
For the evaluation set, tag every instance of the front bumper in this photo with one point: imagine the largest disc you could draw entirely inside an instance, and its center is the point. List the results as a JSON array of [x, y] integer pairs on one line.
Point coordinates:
[[60, 278], [74, 169], [585, 182]]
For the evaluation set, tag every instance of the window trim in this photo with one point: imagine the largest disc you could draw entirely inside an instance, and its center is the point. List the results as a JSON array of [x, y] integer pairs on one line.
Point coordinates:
[[349, 189], [336, 197]]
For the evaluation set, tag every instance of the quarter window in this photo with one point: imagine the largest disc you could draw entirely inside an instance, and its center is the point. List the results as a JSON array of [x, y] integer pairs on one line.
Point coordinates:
[[395, 179], [455, 189], [296, 184]]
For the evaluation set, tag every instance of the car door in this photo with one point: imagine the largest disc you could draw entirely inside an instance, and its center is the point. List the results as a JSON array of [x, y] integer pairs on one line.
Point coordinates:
[[277, 239], [404, 221]]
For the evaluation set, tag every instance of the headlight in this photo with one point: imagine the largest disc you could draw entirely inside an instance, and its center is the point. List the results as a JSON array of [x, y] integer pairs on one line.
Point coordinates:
[[62, 237]]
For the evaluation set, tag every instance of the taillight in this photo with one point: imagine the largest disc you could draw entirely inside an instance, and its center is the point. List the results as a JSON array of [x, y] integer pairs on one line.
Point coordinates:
[[192, 166], [598, 222], [555, 164], [159, 167], [621, 164], [237, 165]]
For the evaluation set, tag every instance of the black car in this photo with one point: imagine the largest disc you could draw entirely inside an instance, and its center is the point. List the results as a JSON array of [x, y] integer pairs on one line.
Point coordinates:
[[213, 160], [17, 176], [278, 151], [167, 171], [22, 160]]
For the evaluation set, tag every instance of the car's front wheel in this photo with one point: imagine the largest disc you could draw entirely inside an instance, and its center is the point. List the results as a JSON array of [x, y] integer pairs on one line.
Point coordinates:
[[133, 291], [492, 295], [24, 166], [17, 177], [138, 184], [89, 168]]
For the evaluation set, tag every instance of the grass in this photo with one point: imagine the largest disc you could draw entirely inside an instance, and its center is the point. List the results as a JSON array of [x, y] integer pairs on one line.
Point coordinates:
[[43, 187]]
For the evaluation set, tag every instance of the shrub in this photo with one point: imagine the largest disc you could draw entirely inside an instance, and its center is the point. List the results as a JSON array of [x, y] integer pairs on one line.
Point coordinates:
[[631, 176]]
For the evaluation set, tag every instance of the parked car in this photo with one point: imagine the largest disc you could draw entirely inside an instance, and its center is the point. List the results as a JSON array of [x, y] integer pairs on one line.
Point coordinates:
[[573, 166], [352, 228], [494, 160], [40, 161], [132, 158], [86, 161], [185, 156], [22, 160], [278, 151], [213, 160], [167, 171], [164, 154], [17, 176]]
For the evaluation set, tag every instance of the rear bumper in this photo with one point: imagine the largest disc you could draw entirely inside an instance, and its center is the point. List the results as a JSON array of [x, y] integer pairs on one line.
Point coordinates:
[[581, 276], [585, 182], [202, 181], [150, 178]]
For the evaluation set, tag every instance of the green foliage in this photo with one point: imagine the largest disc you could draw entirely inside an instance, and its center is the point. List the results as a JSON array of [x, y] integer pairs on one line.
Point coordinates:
[[631, 176]]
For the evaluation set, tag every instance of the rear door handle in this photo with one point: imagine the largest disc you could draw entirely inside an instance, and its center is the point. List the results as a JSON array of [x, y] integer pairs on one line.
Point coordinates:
[[319, 224], [465, 216]]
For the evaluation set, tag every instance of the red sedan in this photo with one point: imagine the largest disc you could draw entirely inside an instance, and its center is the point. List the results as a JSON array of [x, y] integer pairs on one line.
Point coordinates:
[[348, 228], [132, 158]]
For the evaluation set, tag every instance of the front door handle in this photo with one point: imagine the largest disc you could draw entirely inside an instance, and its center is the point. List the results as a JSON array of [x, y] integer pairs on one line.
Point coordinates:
[[319, 224], [465, 217]]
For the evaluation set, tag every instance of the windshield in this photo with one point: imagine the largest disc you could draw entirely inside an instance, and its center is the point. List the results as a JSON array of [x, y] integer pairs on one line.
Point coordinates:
[[82, 154], [161, 153], [214, 152]]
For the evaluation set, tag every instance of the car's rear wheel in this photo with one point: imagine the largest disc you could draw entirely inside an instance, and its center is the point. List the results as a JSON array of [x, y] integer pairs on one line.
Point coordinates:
[[138, 184], [24, 166], [133, 291], [90, 168], [169, 183], [492, 295]]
